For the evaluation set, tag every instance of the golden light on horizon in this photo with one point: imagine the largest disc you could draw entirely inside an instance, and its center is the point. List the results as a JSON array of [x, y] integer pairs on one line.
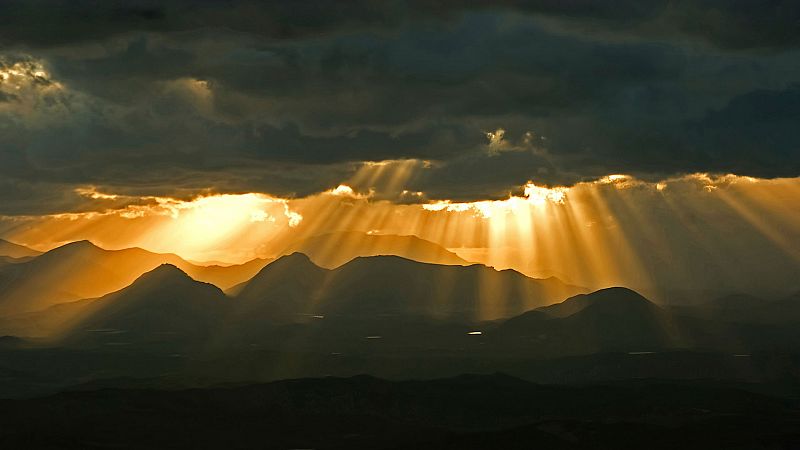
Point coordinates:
[[617, 230]]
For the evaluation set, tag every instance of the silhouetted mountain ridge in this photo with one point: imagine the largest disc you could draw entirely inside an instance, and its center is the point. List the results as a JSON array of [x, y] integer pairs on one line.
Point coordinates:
[[164, 304], [81, 270], [612, 319], [13, 250], [393, 285], [331, 250]]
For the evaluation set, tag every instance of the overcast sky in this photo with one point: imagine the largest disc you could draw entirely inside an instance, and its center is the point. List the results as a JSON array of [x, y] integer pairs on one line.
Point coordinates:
[[291, 98]]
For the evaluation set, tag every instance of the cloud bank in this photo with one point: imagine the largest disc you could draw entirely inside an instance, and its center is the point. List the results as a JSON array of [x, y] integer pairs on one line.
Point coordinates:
[[178, 98]]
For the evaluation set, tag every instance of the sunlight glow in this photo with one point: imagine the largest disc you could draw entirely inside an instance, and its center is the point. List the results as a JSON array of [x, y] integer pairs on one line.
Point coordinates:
[[533, 195], [617, 230]]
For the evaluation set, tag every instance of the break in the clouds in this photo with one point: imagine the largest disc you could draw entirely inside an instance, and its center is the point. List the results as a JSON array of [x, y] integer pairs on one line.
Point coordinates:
[[176, 98]]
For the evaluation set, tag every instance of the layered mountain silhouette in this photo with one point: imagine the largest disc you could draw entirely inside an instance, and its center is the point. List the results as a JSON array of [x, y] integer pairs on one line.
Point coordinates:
[[163, 304], [390, 304], [381, 315], [390, 286], [83, 270], [13, 250], [331, 250], [293, 290]]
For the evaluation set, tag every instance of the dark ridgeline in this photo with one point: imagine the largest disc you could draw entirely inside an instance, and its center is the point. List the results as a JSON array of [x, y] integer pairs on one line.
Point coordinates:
[[395, 286], [395, 318], [384, 291], [331, 250], [632, 374]]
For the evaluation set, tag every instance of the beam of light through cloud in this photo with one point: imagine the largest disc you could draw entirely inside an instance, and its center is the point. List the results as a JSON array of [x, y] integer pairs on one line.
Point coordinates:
[[617, 230]]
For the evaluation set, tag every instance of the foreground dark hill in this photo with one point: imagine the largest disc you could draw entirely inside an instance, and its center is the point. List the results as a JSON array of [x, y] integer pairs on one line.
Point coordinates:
[[294, 287], [331, 250], [82, 270], [465, 412], [13, 250]]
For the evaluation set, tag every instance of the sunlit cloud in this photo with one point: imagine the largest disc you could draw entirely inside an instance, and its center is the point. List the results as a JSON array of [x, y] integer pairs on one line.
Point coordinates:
[[533, 195], [344, 190], [616, 230]]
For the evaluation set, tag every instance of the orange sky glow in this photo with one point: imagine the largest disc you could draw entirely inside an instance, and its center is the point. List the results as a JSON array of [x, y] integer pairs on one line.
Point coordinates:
[[617, 230]]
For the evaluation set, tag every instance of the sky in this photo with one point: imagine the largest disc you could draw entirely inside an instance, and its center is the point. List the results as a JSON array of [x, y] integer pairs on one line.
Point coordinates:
[[671, 125]]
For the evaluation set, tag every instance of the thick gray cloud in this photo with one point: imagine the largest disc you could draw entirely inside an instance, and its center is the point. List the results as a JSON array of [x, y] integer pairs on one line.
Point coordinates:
[[289, 97]]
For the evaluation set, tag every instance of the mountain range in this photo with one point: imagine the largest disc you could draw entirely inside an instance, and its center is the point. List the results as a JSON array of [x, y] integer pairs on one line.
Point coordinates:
[[32, 281], [389, 290], [80, 270], [387, 304], [385, 315]]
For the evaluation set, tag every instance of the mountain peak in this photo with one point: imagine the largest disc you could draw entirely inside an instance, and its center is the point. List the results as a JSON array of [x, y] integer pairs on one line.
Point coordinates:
[[78, 245], [616, 296], [292, 259], [165, 270], [166, 277], [282, 269], [617, 292]]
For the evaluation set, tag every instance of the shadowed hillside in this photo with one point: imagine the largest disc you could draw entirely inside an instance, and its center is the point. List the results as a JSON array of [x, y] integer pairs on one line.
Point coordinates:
[[390, 304], [82, 270], [296, 319], [394, 286], [163, 305], [378, 293], [613, 319]]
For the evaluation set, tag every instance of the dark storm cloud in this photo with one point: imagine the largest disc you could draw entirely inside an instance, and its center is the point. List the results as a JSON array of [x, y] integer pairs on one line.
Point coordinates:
[[725, 23], [288, 97]]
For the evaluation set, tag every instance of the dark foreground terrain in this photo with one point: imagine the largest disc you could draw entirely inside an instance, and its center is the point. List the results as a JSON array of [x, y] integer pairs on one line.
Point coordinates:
[[464, 412]]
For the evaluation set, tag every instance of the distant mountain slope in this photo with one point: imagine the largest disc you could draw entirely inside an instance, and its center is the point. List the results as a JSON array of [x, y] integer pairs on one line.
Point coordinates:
[[394, 286], [332, 250], [13, 250], [224, 277], [83, 270], [163, 305], [384, 307], [613, 319], [158, 301], [382, 293], [615, 297]]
